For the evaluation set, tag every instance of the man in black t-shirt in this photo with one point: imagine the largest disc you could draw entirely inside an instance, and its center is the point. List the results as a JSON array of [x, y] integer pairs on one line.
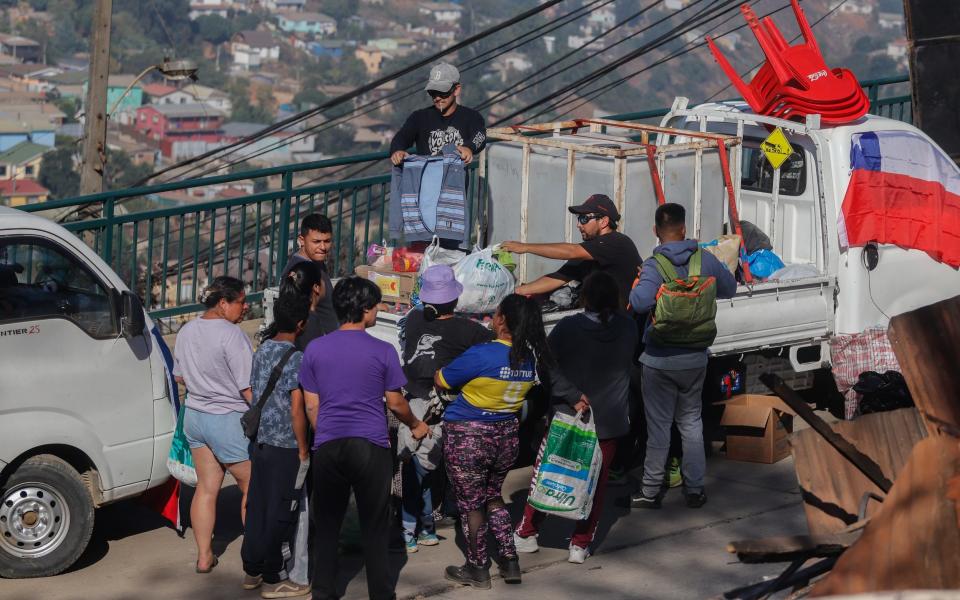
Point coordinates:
[[446, 122], [316, 242], [603, 248]]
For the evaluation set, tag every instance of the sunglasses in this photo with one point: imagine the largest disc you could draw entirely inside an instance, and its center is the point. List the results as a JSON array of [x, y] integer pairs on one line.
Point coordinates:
[[442, 95], [584, 219]]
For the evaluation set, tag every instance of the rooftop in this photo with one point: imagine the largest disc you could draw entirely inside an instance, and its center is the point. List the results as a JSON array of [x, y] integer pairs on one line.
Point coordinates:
[[256, 39], [203, 92], [240, 129], [22, 152], [22, 187], [309, 17], [26, 70], [158, 90], [436, 6], [182, 111], [27, 123], [16, 40]]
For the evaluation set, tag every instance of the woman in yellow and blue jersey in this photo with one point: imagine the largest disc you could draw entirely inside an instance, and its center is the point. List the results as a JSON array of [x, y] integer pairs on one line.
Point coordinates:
[[482, 432]]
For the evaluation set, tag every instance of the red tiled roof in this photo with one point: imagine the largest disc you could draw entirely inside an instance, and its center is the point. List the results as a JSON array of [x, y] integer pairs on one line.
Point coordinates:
[[21, 187], [157, 90]]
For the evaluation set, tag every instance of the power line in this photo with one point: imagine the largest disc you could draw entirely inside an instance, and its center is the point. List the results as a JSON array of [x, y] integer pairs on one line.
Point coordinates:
[[363, 88], [700, 16], [745, 73], [693, 22], [690, 47], [594, 75], [511, 90], [406, 92]]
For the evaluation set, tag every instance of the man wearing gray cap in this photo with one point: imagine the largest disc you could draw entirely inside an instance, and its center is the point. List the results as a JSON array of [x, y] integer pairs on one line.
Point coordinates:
[[446, 122]]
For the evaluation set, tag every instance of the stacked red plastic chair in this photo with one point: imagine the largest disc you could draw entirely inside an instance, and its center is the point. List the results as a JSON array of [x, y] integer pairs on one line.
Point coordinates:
[[795, 81]]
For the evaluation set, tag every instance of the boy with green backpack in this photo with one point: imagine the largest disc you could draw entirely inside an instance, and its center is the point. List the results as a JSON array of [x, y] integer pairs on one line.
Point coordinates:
[[678, 286]]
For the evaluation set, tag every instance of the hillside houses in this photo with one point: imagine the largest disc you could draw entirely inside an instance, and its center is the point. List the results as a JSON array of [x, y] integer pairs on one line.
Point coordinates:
[[252, 49], [317, 24]]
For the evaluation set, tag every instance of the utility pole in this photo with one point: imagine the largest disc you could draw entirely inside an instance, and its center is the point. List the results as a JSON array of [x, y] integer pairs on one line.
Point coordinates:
[[95, 134]]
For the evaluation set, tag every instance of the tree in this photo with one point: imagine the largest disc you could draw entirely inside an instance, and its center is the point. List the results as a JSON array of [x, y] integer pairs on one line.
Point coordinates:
[[336, 141], [213, 28], [866, 44], [309, 94], [339, 9], [260, 184], [70, 107], [120, 172], [243, 109], [58, 175]]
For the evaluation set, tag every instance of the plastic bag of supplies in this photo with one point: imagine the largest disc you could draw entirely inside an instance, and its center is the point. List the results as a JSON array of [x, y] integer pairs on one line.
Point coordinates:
[[485, 281], [570, 460]]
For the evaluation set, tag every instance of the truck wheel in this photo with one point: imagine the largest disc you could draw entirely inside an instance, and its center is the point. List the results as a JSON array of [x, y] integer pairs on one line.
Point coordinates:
[[46, 518]]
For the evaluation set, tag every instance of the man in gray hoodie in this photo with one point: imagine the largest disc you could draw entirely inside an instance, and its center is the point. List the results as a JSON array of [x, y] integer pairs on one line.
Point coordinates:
[[673, 376]]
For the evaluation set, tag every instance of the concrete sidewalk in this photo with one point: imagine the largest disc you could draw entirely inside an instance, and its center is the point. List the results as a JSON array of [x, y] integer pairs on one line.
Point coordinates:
[[675, 552]]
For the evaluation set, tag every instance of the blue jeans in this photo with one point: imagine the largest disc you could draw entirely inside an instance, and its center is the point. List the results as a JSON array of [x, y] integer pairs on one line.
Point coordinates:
[[417, 500]]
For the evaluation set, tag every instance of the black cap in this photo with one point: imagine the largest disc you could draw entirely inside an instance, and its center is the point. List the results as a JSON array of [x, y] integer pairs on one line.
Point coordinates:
[[597, 204]]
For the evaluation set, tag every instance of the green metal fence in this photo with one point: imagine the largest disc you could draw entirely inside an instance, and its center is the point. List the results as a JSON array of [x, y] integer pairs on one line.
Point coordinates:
[[163, 253]]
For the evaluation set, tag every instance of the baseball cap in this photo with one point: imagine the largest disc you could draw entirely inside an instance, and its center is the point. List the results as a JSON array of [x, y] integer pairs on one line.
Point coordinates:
[[443, 76], [597, 204]]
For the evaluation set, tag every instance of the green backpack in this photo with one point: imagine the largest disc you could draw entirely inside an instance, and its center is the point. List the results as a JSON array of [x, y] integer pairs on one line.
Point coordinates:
[[686, 309]]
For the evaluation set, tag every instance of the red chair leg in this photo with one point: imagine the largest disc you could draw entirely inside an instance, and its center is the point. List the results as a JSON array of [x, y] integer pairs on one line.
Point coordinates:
[[731, 73]]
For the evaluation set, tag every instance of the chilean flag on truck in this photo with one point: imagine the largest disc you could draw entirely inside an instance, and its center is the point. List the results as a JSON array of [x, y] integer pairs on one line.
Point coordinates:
[[903, 191]]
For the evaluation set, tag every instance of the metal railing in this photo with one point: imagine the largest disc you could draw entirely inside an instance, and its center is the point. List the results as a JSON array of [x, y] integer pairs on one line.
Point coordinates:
[[163, 253]]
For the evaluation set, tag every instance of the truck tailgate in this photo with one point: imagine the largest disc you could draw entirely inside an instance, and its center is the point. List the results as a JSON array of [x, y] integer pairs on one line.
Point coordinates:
[[775, 314]]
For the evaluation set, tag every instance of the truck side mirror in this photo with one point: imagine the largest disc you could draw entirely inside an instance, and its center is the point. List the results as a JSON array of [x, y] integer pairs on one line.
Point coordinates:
[[132, 321]]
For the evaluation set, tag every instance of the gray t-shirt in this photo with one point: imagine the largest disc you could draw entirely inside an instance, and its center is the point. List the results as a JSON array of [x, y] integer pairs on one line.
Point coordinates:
[[276, 422], [214, 358]]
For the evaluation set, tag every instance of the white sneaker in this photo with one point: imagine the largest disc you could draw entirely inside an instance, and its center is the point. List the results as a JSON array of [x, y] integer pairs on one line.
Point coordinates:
[[525, 545], [578, 554]]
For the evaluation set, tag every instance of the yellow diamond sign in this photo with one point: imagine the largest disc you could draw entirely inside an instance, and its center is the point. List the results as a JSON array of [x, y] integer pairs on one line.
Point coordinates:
[[776, 148]]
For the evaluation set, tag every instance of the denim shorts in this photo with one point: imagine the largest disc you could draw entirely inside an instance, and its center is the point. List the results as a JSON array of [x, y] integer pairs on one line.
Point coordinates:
[[223, 434]]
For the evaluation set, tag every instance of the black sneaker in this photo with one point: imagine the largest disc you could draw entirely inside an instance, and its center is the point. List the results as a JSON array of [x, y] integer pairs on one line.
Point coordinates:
[[509, 569], [638, 500], [696, 500], [478, 577]]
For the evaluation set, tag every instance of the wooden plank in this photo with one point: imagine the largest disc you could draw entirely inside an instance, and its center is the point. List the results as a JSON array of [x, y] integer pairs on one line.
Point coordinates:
[[927, 344], [832, 488], [864, 463], [913, 542], [789, 548]]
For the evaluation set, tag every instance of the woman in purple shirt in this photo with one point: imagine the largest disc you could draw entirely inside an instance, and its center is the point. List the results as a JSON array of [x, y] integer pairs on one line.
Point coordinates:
[[345, 377], [213, 358]]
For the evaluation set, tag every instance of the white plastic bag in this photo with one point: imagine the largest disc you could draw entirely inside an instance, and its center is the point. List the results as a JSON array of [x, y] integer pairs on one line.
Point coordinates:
[[435, 255], [569, 467], [485, 282]]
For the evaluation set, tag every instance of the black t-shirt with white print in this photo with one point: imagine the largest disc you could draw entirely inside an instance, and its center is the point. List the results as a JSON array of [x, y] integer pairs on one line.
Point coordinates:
[[431, 131], [432, 345]]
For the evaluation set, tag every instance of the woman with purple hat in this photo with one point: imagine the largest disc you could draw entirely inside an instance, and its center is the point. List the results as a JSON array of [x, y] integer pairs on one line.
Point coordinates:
[[434, 336]]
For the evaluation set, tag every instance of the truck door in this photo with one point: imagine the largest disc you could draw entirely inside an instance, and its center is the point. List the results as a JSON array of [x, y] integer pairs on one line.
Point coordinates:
[[65, 367], [785, 205]]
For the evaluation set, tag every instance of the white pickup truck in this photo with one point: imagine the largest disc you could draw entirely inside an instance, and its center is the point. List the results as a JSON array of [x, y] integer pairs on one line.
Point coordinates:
[[530, 180], [85, 411]]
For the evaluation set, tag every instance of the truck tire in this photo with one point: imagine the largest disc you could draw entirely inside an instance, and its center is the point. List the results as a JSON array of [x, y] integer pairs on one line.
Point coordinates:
[[46, 518]]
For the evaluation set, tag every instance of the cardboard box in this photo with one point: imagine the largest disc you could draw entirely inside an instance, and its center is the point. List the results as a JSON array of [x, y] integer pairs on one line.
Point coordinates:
[[394, 285], [757, 428]]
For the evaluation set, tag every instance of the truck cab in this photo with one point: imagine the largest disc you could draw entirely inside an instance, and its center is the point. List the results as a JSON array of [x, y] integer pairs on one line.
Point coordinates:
[[799, 206], [85, 412]]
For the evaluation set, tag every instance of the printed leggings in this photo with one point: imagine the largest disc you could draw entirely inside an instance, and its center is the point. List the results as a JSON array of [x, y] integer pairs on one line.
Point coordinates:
[[478, 455]]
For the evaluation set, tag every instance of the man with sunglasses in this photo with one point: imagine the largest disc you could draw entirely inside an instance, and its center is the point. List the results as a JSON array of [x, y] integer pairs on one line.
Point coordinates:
[[445, 122], [603, 248]]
